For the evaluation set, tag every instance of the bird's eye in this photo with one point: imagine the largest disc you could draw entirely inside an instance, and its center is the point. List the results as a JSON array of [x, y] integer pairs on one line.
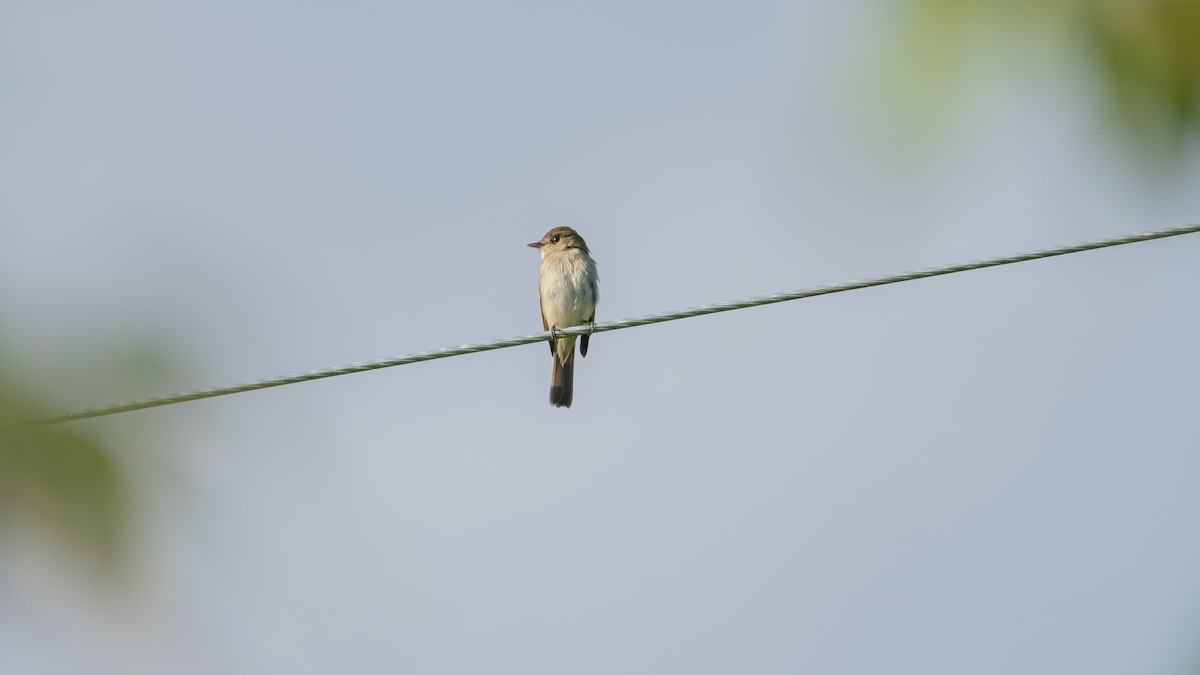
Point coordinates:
[[554, 240]]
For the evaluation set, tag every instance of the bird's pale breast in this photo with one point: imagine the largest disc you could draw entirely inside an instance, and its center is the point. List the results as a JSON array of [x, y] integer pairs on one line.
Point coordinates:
[[568, 283]]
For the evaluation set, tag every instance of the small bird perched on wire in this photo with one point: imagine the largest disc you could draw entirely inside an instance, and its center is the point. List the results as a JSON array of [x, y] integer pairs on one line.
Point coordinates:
[[568, 288]]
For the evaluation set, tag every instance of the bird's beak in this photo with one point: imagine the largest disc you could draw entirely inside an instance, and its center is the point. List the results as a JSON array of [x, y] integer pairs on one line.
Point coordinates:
[[536, 244]]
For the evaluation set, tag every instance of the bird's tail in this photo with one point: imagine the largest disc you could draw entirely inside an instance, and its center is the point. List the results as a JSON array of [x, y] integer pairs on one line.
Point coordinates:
[[562, 380]]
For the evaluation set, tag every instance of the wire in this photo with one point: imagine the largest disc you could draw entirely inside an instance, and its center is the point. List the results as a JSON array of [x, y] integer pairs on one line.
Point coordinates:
[[597, 328]]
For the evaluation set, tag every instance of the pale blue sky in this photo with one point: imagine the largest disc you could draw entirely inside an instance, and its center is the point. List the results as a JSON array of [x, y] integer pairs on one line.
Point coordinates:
[[988, 473]]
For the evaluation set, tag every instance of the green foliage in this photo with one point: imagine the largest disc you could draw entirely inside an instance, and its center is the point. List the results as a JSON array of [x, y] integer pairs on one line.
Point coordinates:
[[1145, 54], [1151, 54], [62, 481]]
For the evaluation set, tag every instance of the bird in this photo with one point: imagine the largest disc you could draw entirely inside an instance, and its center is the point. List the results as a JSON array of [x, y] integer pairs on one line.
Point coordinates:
[[568, 291]]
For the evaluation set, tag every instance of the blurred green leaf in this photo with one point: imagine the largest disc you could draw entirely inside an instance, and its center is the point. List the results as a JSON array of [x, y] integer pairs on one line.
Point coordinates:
[[1151, 55], [65, 482], [1146, 55]]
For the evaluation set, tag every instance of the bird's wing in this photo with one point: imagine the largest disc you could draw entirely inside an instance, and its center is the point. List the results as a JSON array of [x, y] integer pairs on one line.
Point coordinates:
[[545, 326], [595, 287]]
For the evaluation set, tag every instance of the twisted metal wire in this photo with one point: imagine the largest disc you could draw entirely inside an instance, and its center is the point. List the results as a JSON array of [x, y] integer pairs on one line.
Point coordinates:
[[599, 327]]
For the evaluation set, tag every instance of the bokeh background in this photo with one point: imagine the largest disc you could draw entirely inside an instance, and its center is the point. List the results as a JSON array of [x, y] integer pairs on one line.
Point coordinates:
[[991, 472]]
